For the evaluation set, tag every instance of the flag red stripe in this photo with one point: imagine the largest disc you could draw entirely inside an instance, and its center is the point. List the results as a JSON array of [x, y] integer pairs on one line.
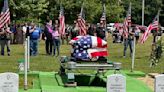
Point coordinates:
[[5, 21], [100, 53], [62, 25], [99, 42], [3, 14], [152, 26], [81, 24], [4, 17]]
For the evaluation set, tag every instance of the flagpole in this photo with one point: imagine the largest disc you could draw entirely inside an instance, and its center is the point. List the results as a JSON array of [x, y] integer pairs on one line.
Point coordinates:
[[25, 65], [134, 45], [28, 53], [134, 50], [154, 38], [158, 15], [143, 10]]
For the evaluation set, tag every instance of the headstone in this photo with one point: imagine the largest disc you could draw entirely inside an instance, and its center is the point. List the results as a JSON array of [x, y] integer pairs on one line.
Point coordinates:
[[116, 83], [159, 83], [9, 82]]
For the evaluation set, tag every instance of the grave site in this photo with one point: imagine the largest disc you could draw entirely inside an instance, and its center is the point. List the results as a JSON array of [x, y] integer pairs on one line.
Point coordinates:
[[65, 75], [102, 48]]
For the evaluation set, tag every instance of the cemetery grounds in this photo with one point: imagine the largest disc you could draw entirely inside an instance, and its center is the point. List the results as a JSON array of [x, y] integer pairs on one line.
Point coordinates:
[[45, 63]]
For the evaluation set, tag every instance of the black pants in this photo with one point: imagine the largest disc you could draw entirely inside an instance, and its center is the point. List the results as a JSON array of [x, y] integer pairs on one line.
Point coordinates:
[[2, 44], [49, 44]]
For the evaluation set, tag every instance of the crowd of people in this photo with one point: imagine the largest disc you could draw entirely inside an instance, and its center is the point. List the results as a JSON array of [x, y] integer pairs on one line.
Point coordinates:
[[53, 38]]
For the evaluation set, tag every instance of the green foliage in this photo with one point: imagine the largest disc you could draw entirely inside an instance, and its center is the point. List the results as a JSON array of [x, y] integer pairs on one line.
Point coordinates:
[[28, 8], [115, 9], [151, 9], [156, 53], [27, 20]]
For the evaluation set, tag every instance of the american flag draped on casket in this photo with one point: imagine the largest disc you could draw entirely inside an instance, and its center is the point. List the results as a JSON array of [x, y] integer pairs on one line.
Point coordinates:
[[88, 47]]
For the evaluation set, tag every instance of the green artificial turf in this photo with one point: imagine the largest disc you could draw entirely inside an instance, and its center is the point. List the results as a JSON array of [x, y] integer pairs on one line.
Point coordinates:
[[52, 82]]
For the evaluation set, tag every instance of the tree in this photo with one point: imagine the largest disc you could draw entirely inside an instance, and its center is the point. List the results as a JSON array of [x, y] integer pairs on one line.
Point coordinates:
[[93, 10], [28, 9], [115, 10], [151, 9]]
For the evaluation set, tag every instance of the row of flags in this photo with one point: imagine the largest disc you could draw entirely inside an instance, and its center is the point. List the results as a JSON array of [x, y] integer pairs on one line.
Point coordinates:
[[127, 24], [81, 20]]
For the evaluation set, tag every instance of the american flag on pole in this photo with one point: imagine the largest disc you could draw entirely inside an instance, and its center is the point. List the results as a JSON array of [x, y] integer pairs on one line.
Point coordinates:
[[127, 22], [5, 14], [88, 47], [81, 22], [62, 21], [153, 26]]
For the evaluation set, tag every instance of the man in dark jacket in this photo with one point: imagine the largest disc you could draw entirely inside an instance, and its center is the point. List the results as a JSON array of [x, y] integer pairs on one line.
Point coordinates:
[[2, 32], [101, 30], [5, 40], [74, 31], [48, 37]]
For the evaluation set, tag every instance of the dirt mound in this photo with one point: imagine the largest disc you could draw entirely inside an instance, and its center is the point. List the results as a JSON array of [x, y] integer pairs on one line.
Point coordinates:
[[149, 79]]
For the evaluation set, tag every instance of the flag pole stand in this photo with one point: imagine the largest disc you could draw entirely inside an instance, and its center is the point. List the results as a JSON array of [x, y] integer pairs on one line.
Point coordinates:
[[133, 57], [25, 65], [28, 53]]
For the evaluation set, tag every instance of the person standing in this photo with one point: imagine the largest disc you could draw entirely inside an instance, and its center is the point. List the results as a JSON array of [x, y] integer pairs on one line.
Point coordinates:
[[48, 37], [24, 29], [137, 33], [129, 41], [13, 30], [5, 40], [101, 30], [91, 30], [67, 33], [35, 35], [56, 40], [2, 31], [75, 30]]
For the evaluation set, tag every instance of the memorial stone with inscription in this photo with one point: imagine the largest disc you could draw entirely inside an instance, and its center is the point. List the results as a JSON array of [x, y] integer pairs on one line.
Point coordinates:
[[9, 82], [116, 83], [159, 83]]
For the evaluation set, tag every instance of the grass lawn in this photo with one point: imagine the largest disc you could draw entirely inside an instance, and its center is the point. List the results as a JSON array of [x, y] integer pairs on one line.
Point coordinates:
[[43, 62]]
